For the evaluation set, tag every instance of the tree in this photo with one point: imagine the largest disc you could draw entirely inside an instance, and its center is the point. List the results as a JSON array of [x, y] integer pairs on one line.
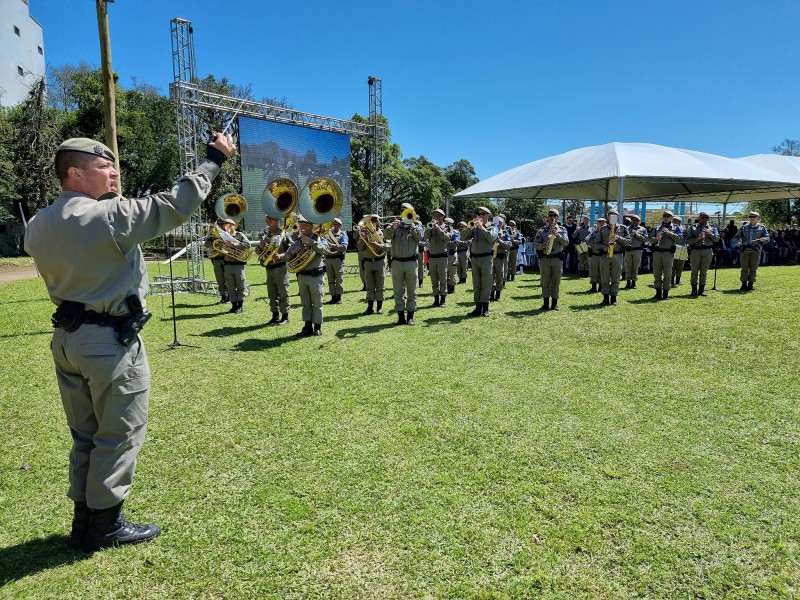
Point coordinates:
[[461, 174], [530, 215], [8, 177]]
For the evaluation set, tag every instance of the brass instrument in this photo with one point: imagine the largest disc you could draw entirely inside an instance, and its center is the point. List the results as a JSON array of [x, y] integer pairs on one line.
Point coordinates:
[[552, 237], [221, 247], [231, 206], [321, 200], [279, 198], [372, 237], [408, 216], [612, 220], [268, 251]]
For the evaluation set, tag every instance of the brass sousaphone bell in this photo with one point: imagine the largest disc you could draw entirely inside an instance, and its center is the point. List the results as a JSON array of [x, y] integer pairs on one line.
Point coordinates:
[[231, 206], [279, 198], [321, 201]]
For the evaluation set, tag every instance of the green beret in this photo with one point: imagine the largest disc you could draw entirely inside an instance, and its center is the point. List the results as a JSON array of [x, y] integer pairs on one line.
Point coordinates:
[[86, 146]]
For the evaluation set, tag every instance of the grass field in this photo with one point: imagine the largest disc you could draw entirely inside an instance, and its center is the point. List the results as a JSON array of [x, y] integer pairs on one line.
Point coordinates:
[[646, 450]]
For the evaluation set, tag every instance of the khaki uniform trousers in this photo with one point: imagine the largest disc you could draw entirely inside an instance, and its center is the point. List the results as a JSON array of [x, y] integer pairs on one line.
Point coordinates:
[[219, 275], [105, 390], [374, 279], [583, 261], [334, 269], [610, 271], [550, 270], [235, 281], [513, 256], [594, 268], [452, 269], [701, 261], [481, 278], [437, 269], [278, 288], [311, 289], [421, 266], [463, 264], [662, 269], [404, 284], [632, 262], [749, 265], [499, 271]]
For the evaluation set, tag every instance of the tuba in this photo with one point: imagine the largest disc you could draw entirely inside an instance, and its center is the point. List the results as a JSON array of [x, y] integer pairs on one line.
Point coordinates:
[[372, 237], [279, 198], [231, 206], [320, 201], [220, 247]]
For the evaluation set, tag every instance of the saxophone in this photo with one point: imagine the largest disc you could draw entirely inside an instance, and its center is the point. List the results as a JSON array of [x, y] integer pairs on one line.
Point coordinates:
[[552, 238]]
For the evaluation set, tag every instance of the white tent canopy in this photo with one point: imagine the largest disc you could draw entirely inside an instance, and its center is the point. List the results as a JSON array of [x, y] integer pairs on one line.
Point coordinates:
[[785, 165], [637, 171]]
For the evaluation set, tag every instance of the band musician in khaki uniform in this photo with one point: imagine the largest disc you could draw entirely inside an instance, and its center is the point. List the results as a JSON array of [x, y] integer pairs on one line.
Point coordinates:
[[461, 253], [663, 241], [611, 266], [437, 236], [374, 259], [579, 236], [596, 252], [405, 238], [701, 238], [234, 268], [751, 237], [334, 262], [500, 258], [482, 239], [452, 256], [86, 247], [549, 243], [517, 240], [277, 272], [218, 262], [634, 246]]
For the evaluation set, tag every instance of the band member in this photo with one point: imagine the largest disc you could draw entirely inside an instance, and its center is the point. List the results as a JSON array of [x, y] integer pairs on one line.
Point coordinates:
[[513, 254], [234, 268], [570, 253], [750, 237], [310, 280], [86, 244], [405, 240], [437, 236], [334, 263], [482, 239], [218, 262], [579, 236], [678, 263], [374, 267], [277, 273], [461, 252], [701, 238], [663, 242], [452, 258], [549, 243], [611, 266], [595, 254], [634, 246], [500, 259]]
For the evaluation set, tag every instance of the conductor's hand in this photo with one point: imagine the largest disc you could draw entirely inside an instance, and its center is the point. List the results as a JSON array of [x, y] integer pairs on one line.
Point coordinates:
[[223, 143]]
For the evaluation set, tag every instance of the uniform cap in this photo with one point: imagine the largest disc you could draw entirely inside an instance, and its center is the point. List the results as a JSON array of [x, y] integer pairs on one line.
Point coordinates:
[[448, 220], [406, 205], [603, 219], [753, 214], [635, 217], [668, 213], [678, 219], [703, 213], [613, 211], [552, 211], [512, 222], [484, 209], [375, 217], [302, 219], [228, 221], [502, 216], [462, 224], [86, 146], [337, 220], [439, 210]]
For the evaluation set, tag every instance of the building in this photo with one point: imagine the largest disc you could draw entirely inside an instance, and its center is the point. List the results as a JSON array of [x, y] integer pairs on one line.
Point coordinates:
[[21, 51]]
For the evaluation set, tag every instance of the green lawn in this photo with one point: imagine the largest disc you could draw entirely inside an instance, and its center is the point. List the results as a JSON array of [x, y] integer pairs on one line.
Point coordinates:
[[646, 450]]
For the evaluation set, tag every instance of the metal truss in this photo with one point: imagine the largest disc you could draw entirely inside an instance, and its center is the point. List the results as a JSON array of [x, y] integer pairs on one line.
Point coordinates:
[[377, 136]]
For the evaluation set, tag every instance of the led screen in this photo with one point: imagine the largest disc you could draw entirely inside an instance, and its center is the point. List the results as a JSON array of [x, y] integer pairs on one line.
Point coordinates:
[[271, 150]]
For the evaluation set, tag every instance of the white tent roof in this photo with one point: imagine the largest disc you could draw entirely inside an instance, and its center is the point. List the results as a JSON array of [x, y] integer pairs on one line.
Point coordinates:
[[649, 171], [785, 165]]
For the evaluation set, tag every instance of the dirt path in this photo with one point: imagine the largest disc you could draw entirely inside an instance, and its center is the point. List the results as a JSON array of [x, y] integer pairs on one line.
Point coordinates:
[[8, 274]]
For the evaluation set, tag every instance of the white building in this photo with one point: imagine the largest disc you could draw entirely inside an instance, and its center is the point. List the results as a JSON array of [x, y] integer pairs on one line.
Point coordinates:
[[21, 51]]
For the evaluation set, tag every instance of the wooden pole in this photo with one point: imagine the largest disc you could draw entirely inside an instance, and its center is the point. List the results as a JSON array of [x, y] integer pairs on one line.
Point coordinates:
[[110, 112]]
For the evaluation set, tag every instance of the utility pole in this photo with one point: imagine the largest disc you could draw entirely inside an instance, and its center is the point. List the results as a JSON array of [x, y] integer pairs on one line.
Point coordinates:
[[110, 120]]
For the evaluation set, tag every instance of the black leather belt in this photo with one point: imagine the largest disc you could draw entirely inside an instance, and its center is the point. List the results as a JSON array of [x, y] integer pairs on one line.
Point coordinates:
[[482, 254], [701, 248], [312, 272], [633, 249], [275, 265], [336, 256], [559, 256], [380, 258], [439, 255], [91, 317], [460, 251], [500, 255], [670, 250], [406, 259]]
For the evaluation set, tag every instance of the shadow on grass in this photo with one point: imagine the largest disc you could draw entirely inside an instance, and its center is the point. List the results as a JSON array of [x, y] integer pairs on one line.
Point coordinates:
[[349, 317], [33, 556], [519, 314], [452, 319], [257, 344], [31, 301], [226, 331], [13, 335], [596, 306], [352, 332]]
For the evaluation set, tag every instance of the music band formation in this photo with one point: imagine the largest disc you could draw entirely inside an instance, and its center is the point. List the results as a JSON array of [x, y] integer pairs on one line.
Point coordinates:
[[608, 253]]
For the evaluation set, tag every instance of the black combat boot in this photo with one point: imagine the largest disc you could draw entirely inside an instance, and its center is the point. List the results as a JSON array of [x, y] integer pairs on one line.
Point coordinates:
[[612, 300], [237, 310], [317, 328], [338, 299], [401, 317], [451, 289], [694, 290], [370, 310], [379, 308], [497, 295], [750, 287], [594, 288], [657, 295], [678, 279], [744, 287], [443, 302], [410, 318], [702, 291], [605, 301], [305, 331], [224, 299], [109, 527], [436, 301], [462, 280], [478, 310], [664, 294], [545, 304], [633, 284], [554, 304], [421, 281], [485, 312], [284, 319], [274, 320], [80, 524]]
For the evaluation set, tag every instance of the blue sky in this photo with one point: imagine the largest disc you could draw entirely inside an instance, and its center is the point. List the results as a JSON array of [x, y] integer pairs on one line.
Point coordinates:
[[498, 83]]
